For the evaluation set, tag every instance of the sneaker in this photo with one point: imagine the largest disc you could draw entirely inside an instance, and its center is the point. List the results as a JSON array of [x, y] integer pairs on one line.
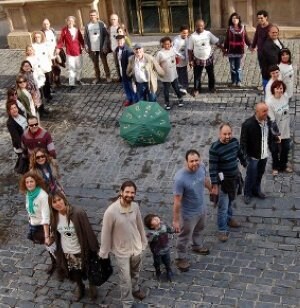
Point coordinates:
[[230, 85], [223, 237], [139, 294], [201, 251], [247, 199], [167, 107], [260, 195], [239, 84], [180, 103], [108, 80], [234, 223], [79, 82], [182, 264], [183, 91]]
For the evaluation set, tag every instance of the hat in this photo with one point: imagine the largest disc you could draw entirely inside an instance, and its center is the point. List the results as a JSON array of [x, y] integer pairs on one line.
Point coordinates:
[[120, 36], [137, 46]]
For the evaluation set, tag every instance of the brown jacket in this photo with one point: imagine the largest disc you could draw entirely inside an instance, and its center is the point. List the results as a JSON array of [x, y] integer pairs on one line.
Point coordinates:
[[152, 68], [87, 239]]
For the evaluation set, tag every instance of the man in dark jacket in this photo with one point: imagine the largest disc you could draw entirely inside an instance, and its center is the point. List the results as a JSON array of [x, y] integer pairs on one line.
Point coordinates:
[[96, 41], [123, 52], [256, 135], [270, 53]]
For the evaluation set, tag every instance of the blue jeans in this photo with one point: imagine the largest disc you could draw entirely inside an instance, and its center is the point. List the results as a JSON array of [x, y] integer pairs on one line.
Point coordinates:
[[235, 69], [144, 93], [130, 94], [224, 211], [255, 171]]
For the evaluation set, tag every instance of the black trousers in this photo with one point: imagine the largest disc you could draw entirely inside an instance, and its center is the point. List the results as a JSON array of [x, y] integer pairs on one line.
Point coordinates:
[[210, 74]]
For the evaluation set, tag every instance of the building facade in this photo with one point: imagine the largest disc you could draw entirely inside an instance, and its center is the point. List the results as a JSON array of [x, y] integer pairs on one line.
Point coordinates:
[[144, 17]]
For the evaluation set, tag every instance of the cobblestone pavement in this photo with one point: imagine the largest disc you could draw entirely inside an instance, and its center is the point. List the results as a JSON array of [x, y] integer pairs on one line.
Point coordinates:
[[259, 265]]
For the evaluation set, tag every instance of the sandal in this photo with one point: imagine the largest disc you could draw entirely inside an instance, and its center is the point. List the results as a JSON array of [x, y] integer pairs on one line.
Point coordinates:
[[275, 172]]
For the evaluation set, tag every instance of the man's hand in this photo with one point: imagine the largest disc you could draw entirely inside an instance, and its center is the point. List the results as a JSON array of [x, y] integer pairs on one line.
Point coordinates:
[[191, 63], [176, 226], [214, 189]]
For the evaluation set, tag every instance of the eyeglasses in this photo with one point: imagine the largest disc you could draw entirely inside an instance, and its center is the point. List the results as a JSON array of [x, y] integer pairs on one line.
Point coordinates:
[[40, 157], [33, 125], [21, 81]]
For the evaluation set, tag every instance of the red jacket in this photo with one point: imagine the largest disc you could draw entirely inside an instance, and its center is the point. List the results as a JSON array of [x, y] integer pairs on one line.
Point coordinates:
[[73, 47]]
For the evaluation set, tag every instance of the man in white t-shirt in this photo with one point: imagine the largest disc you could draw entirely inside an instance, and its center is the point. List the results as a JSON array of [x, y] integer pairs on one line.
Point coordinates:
[[201, 55], [96, 44]]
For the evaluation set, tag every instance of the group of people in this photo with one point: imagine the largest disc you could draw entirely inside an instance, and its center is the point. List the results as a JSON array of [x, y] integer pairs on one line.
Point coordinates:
[[65, 229]]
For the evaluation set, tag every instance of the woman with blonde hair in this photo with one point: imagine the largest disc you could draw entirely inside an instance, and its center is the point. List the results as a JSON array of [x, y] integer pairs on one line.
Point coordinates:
[[44, 59], [37, 207], [42, 164]]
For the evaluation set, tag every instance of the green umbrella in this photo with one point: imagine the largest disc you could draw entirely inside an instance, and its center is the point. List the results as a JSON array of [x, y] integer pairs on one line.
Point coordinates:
[[144, 123]]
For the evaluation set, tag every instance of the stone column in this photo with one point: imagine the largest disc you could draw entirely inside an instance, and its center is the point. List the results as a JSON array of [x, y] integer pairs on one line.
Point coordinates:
[[215, 14]]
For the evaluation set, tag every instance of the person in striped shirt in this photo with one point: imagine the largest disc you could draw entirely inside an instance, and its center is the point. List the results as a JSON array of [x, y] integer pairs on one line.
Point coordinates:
[[224, 172]]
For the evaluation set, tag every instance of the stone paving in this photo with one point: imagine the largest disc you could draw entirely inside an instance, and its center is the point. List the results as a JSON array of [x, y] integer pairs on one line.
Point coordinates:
[[259, 265]]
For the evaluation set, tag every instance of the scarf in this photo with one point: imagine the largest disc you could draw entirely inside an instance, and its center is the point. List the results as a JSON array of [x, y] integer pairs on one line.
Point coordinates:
[[31, 195]]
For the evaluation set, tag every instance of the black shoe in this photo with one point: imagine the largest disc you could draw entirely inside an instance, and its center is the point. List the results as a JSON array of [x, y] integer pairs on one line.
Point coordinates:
[[260, 195], [169, 275], [247, 199], [157, 274], [213, 90]]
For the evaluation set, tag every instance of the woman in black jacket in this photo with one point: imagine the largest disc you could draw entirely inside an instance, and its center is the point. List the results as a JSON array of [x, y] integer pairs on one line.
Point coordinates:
[[16, 125]]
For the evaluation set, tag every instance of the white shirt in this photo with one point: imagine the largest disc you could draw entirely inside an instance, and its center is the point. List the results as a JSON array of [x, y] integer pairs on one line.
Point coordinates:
[[51, 41], [41, 214], [119, 59], [43, 56], [166, 59], [201, 43], [139, 70], [180, 47], [279, 112], [73, 32], [94, 35], [22, 121], [264, 139], [69, 239], [113, 33], [287, 73]]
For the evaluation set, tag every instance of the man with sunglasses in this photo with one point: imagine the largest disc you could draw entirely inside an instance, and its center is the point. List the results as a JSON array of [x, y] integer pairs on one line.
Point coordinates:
[[37, 137]]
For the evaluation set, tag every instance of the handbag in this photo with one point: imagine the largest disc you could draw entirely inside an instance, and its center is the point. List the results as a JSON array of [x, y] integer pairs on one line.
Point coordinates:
[[22, 164], [99, 270]]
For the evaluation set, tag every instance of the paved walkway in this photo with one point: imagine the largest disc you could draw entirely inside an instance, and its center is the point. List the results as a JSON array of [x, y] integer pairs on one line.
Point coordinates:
[[259, 265]]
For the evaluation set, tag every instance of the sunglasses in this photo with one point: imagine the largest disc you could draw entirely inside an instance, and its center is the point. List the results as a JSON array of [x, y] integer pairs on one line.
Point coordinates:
[[33, 125], [21, 81], [40, 157]]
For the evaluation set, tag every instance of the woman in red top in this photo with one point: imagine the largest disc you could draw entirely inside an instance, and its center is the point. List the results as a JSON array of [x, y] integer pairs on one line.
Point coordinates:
[[72, 39], [234, 45]]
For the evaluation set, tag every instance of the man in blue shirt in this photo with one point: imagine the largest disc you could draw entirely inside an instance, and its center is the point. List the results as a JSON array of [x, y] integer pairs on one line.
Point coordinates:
[[189, 209]]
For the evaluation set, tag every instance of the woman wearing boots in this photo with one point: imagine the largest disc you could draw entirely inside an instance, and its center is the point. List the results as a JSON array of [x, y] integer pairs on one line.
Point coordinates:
[[75, 241], [38, 210], [46, 167]]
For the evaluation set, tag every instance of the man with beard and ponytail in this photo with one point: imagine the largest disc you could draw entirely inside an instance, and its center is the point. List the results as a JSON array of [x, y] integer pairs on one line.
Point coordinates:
[[224, 173], [124, 236]]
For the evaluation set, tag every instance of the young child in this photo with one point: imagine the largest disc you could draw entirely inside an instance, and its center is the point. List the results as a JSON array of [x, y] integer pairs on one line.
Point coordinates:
[[180, 43], [158, 239], [166, 58], [274, 75], [286, 70]]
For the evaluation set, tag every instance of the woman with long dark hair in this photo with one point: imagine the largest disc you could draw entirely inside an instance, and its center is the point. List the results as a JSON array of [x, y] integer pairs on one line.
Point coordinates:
[[46, 167], [16, 125], [234, 45], [75, 240]]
